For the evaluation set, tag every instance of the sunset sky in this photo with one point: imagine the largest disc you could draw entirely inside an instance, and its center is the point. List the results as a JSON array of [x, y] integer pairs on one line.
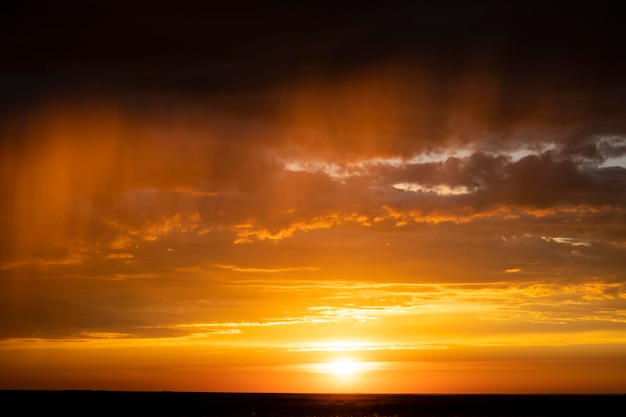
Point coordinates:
[[396, 198]]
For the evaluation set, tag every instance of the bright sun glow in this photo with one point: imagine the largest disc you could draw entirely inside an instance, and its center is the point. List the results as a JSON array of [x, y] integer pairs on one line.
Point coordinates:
[[343, 367]]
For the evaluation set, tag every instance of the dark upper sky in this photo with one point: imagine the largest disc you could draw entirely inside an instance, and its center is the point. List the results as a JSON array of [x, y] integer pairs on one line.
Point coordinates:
[[200, 45]]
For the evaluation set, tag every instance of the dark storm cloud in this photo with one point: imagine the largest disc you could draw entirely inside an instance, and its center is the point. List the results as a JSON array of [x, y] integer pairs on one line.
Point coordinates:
[[139, 130], [194, 46], [341, 81]]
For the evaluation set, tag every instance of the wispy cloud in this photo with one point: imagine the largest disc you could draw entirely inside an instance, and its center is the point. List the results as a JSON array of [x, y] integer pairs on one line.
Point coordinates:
[[268, 270]]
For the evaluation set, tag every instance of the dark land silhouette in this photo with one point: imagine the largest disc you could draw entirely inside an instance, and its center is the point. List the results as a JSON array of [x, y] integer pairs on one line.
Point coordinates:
[[182, 404]]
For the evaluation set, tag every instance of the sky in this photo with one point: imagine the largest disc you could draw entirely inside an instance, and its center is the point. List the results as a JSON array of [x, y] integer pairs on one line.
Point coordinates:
[[398, 198]]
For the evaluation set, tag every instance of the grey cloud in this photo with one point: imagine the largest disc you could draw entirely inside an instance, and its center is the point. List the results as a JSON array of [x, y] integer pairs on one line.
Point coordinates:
[[542, 180]]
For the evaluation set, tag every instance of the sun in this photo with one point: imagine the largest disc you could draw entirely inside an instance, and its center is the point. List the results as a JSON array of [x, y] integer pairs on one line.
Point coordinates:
[[343, 367]]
